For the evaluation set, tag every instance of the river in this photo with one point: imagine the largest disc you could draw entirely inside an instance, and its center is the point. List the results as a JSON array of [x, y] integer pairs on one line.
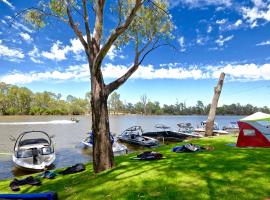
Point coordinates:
[[69, 135]]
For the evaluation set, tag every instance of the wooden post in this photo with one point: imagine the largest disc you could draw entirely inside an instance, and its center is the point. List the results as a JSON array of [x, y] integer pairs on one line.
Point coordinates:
[[212, 113]]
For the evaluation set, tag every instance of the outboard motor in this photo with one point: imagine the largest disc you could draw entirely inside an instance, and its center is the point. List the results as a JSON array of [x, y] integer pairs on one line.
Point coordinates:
[[35, 156]]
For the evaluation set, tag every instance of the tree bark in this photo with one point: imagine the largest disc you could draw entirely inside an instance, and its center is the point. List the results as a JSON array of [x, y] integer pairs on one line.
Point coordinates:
[[212, 113], [103, 158]]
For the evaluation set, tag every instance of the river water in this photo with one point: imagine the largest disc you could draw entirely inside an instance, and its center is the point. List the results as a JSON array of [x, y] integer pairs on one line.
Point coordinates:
[[69, 135]]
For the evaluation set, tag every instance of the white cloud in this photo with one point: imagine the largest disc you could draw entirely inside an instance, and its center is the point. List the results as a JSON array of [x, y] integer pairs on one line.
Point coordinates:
[[25, 36], [9, 53], [238, 23], [199, 3], [209, 29], [181, 42], [36, 60], [201, 40], [264, 43], [23, 78], [260, 11], [254, 24], [76, 46], [3, 21], [19, 26], [234, 26], [9, 4], [35, 55], [245, 72], [259, 3], [234, 72], [221, 40], [114, 53], [222, 21], [57, 52]]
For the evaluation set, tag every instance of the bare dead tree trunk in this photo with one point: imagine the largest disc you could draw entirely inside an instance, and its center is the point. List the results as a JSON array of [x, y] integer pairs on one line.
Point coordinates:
[[212, 113], [102, 149]]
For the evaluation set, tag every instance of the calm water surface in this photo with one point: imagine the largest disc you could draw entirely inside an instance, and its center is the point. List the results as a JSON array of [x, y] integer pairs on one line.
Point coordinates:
[[68, 136]]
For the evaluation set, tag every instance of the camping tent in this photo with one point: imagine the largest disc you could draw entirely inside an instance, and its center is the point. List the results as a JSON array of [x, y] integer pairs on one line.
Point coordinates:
[[252, 133]]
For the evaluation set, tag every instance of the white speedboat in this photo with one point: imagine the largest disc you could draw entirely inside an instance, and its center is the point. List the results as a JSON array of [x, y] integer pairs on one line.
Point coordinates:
[[216, 129], [231, 127], [188, 130], [33, 151], [134, 135], [116, 146]]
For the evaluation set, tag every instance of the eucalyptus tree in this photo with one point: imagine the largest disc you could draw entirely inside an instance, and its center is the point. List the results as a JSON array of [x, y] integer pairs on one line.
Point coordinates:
[[4, 102], [143, 24], [115, 103]]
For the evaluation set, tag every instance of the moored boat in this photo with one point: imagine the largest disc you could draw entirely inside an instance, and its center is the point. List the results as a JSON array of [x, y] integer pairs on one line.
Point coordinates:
[[165, 133], [188, 130], [33, 151], [231, 127], [116, 146], [216, 129], [134, 135]]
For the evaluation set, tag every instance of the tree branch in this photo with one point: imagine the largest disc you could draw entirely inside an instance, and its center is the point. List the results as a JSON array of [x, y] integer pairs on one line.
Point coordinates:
[[120, 81], [115, 34], [98, 31], [150, 50], [77, 31], [87, 28], [157, 6], [137, 62], [120, 3]]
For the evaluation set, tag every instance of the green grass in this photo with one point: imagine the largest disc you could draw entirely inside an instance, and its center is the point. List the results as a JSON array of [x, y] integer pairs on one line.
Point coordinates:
[[224, 173]]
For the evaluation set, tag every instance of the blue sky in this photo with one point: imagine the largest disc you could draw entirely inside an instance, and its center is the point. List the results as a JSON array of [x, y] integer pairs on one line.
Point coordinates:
[[211, 36]]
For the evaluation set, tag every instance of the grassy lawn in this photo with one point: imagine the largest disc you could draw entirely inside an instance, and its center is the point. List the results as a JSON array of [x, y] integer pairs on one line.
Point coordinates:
[[224, 173]]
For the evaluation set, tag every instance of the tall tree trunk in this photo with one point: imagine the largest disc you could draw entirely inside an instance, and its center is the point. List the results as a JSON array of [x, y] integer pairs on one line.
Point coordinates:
[[102, 149], [212, 113]]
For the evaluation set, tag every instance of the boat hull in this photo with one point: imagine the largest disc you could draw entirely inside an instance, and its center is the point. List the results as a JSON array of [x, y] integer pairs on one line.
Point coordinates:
[[202, 130], [137, 143], [166, 135], [117, 148], [26, 166]]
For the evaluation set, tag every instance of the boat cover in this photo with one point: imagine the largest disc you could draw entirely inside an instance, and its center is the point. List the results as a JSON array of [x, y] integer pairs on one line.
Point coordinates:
[[33, 196]]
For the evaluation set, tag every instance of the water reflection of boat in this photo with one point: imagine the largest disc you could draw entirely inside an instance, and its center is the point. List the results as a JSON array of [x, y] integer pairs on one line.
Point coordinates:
[[34, 151], [165, 133], [216, 129], [116, 146], [134, 135]]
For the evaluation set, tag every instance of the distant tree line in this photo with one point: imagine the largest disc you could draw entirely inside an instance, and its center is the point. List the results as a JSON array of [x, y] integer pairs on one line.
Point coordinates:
[[16, 100], [148, 107]]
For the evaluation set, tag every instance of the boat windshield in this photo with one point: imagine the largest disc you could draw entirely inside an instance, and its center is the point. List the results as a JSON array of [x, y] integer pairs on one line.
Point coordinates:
[[216, 127], [33, 141], [27, 153], [162, 126], [185, 127], [135, 130]]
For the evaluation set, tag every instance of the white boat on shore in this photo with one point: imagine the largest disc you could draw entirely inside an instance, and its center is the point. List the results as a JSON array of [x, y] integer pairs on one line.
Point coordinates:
[[188, 130], [33, 151], [216, 129], [116, 146]]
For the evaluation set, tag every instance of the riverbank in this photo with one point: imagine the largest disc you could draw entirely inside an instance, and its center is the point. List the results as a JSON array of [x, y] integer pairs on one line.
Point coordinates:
[[224, 173]]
